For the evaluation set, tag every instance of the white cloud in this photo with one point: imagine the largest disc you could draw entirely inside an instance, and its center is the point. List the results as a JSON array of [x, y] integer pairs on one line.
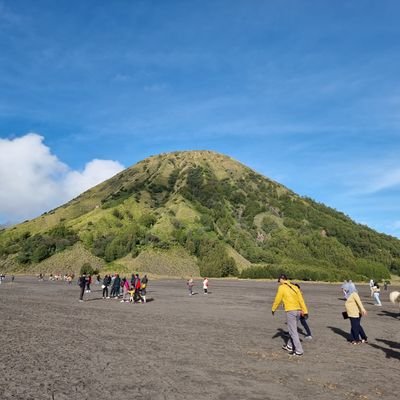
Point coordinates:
[[33, 180], [95, 171], [386, 180]]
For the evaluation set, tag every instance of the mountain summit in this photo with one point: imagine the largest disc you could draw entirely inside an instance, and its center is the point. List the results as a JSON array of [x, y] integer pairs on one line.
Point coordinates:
[[200, 213]]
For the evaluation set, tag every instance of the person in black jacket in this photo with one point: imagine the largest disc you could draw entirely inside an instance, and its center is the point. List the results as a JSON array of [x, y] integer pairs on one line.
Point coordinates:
[[116, 286], [106, 284], [82, 285]]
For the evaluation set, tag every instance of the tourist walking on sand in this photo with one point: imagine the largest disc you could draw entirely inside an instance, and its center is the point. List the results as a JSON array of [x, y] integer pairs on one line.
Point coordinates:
[[304, 322], [377, 291], [106, 284], [125, 290], [205, 285], [355, 310], [295, 307], [138, 288], [88, 283], [371, 285], [82, 285], [190, 284], [116, 286]]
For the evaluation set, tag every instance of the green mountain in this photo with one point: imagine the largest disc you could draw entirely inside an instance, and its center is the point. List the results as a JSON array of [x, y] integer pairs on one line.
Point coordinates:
[[198, 213]]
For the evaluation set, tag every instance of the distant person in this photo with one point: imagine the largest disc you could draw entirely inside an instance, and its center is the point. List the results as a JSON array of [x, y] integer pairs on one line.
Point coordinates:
[[205, 285], [190, 284], [82, 285], [125, 290], [88, 283], [116, 286], [143, 288], [106, 284], [12, 278], [138, 288], [371, 285], [385, 285], [295, 307], [303, 321], [377, 292], [355, 310]]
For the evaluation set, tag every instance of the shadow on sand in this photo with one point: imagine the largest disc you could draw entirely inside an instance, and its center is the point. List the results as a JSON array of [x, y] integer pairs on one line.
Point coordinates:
[[282, 334], [390, 343], [340, 332], [390, 353], [390, 314]]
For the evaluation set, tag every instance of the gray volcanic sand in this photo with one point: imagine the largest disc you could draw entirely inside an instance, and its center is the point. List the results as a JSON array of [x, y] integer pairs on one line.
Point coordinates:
[[222, 346]]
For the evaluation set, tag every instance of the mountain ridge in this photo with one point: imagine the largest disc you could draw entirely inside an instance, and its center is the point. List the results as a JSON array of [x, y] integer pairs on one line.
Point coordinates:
[[226, 218]]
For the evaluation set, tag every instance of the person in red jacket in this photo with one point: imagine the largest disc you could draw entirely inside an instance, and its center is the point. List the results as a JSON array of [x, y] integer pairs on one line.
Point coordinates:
[[138, 285]]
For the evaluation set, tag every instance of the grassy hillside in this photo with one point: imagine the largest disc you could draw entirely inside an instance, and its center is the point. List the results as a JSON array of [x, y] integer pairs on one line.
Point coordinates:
[[199, 212]]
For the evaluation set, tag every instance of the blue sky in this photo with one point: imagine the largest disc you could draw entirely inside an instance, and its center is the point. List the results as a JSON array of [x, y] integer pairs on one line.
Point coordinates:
[[304, 92]]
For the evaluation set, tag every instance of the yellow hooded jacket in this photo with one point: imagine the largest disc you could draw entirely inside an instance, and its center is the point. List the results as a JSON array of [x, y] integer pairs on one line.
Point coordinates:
[[291, 297]]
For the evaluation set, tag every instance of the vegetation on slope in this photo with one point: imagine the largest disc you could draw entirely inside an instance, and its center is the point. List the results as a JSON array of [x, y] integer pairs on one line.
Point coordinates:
[[211, 207]]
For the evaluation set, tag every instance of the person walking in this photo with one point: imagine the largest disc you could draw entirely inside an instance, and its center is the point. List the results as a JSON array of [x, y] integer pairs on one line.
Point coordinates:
[[138, 288], [205, 285], [377, 291], [304, 322], [82, 285], [295, 307], [355, 310], [88, 283], [190, 284], [125, 290], [116, 286], [106, 284], [371, 285]]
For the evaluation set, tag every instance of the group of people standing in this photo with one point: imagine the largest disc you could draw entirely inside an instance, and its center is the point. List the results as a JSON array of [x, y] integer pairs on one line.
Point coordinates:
[[133, 290]]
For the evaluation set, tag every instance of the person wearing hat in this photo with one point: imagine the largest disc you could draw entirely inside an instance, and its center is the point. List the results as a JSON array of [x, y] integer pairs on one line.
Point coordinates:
[[295, 307]]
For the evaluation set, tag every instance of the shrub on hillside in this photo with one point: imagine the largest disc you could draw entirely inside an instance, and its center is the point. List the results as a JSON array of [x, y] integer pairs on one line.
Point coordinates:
[[87, 269]]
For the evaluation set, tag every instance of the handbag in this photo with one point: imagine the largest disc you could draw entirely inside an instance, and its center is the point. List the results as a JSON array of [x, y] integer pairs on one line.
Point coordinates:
[[345, 315]]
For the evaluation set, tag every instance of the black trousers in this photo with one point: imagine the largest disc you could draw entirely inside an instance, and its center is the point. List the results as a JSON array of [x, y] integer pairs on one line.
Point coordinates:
[[82, 292]]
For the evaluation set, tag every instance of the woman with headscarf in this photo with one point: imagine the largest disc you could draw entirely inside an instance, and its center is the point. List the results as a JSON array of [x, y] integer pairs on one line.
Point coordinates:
[[355, 310]]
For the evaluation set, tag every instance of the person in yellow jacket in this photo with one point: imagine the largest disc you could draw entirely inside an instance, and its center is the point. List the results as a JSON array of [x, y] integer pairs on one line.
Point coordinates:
[[295, 307]]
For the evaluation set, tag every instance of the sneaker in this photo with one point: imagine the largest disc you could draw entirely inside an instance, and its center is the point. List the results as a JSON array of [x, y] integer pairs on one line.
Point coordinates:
[[364, 341], [296, 354], [287, 348], [308, 337], [81, 301], [355, 342]]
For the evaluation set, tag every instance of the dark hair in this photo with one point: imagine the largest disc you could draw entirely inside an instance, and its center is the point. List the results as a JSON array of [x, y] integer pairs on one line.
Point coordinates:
[[282, 276]]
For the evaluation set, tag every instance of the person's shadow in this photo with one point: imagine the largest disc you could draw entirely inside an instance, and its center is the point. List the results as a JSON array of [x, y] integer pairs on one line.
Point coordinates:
[[282, 334], [390, 343], [390, 353], [340, 332], [390, 314]]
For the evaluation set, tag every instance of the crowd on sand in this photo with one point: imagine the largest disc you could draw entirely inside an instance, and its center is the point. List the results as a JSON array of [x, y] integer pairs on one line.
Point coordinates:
[[288, 294], [131, 290]]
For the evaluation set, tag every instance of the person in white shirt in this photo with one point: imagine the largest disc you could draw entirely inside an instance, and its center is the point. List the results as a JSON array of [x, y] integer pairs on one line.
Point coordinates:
[[205, 285]]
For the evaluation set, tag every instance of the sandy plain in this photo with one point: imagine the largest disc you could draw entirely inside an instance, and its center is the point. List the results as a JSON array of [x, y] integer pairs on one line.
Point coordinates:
[[225, 345]]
